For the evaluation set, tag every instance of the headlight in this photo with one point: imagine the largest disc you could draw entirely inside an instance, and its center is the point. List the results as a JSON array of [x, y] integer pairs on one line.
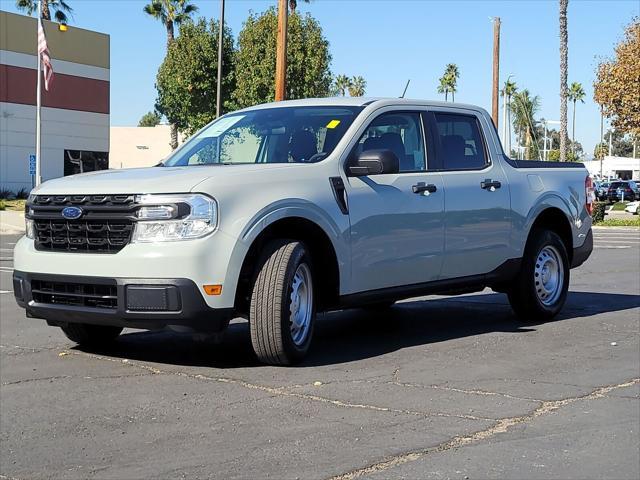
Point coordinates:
[[167, 218], [30, 228]]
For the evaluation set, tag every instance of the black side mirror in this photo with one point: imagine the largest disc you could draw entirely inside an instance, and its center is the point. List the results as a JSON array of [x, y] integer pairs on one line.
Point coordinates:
[[374, 162]]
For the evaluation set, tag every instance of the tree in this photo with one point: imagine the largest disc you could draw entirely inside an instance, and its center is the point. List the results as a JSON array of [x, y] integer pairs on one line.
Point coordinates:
[[452, 74], [358, 87], [564, 53], [621, 146], [341, 85], [575, 94], [308, 59], [170, 13], [60, 9], [618, 83], [601, 150], [509, 89], [443, 87], [149, 119], [186, 80], [525, 108]]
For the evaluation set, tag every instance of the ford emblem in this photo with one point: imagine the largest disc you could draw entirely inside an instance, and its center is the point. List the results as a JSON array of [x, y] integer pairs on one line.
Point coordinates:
[[71, 213]]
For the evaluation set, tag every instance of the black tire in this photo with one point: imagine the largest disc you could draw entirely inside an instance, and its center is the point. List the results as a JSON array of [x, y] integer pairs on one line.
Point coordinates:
[[91, 335], [269, 311], [523, 296]]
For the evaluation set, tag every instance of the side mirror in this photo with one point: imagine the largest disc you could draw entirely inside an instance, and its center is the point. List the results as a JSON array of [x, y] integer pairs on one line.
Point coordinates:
[[374, 162]]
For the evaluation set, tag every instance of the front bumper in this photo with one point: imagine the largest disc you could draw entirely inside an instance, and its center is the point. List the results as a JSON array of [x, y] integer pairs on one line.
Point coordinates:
[[131, 302]]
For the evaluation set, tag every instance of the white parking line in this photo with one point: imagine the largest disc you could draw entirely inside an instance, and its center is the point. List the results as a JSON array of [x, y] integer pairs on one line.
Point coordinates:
[[6, 269], [5, 291], [611, 246]]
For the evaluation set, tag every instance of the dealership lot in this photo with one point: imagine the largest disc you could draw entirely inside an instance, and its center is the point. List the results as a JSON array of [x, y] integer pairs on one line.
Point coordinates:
[[437, 387]]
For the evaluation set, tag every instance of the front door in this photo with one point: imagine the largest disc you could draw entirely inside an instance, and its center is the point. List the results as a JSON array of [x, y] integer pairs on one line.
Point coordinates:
[[396, 235], [477, 199]]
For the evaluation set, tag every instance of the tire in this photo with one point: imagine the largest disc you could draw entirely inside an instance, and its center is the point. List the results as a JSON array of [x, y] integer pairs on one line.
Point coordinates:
[[281, 293], [91, 335], [545, 257]]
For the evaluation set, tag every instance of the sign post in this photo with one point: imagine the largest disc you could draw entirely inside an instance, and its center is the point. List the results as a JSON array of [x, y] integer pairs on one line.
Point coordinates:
[[32, 170]]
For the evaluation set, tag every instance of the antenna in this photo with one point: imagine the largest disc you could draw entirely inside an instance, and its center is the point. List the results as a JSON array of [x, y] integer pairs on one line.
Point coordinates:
[[405, 88]]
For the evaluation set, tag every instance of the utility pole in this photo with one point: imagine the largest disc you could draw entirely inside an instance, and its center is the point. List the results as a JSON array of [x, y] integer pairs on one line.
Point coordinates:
[[601, 138], [39, 108], [496, 69], [281, 51], [220, 40]]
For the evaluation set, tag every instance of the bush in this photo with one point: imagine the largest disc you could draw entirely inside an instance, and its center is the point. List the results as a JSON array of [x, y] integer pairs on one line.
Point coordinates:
[[22, 194], [598, 211], [620, 222], [6, 193], [2, 205]]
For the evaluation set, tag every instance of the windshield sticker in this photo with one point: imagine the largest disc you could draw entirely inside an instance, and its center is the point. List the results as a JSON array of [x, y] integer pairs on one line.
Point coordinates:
[[333, 123], [221, 126]]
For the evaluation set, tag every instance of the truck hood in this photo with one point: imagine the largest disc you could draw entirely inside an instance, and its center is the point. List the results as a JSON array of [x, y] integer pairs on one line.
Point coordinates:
[[147, 180]]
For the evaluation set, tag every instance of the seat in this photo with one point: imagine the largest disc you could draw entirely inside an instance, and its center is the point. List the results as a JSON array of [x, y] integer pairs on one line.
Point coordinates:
[[453, 149], [303, 146], [393, 141]]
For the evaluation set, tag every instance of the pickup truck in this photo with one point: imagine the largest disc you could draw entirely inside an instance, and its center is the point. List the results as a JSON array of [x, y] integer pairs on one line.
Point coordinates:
[[282, 210]]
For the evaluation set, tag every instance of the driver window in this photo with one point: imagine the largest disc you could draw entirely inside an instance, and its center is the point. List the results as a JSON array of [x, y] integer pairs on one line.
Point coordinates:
[[400, 132]]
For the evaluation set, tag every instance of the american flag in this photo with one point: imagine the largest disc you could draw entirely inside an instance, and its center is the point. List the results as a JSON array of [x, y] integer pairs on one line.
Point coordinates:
[[43, 51]]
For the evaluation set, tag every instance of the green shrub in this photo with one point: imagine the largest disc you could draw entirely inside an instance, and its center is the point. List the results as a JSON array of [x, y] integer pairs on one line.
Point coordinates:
[[598, 211], [620, 222], [2, 205]]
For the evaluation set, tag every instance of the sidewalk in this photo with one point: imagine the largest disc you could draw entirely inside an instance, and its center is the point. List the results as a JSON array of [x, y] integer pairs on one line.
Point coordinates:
[[11, 222]]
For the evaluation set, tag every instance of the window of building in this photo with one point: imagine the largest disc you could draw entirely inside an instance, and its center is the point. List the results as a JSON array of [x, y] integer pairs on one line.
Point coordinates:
[[81, 161]]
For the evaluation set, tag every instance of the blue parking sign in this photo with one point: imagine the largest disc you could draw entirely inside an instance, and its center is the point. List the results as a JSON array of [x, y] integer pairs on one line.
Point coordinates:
[[32, 164]]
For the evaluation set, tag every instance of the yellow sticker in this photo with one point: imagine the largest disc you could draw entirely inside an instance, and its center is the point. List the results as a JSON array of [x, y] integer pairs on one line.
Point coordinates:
[[333, 123]]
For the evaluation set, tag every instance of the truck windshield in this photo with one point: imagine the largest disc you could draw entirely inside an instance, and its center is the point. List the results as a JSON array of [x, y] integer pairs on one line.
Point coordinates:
[[273, 135]]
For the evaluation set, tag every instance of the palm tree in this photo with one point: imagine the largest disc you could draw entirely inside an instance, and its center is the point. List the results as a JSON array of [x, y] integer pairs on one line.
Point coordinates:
[[509, 89], [357, 87], [576, 93], [341, 84], [563, 78], [452, 74], [171, 13], [524, 109], [59, 7], [443, 87]]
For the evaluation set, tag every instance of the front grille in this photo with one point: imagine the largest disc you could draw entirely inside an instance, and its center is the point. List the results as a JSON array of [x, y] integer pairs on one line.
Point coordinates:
[[105, 226], [76, 294]]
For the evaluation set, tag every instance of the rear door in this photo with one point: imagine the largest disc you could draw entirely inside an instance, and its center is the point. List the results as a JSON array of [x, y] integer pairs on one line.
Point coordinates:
[[477, 200], [396, 235]]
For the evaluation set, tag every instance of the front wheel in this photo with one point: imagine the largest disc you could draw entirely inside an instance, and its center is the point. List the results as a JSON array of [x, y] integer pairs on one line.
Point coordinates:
[[91, 335], [282, 309], [540, 289]]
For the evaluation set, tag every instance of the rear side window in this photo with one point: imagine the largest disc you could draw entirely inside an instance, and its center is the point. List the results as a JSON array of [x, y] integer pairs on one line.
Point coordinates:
[[461, 146]]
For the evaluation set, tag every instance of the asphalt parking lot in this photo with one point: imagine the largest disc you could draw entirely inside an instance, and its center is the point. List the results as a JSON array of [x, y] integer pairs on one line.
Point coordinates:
[[435, 388]]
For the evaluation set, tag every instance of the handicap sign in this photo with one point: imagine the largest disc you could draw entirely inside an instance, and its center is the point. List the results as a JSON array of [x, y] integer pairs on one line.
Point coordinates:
[[32, 164]]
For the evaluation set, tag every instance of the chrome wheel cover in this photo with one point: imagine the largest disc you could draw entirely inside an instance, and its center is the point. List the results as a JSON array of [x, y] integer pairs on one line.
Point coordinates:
[[548, 275], [301, 306]]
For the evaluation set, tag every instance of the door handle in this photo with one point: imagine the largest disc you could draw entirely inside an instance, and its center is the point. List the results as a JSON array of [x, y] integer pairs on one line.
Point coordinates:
[[490, 185], [422, 187]]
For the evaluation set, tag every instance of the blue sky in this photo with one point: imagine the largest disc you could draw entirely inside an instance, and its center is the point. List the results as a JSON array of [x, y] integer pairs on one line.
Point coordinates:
[[389, 41]]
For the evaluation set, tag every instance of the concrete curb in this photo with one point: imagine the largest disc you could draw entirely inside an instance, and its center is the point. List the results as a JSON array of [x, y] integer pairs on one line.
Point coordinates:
[[11, 222]]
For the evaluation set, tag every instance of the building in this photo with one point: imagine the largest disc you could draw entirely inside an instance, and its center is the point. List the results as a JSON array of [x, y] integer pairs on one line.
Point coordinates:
[[611, 167], [75, 110], [133, 147]]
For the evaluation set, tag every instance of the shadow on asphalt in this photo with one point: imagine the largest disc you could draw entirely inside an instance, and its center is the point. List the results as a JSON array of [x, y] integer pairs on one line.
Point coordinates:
[[352, 335]]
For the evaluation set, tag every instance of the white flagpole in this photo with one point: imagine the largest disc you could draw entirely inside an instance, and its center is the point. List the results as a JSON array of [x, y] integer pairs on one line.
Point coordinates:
[[38, 108]]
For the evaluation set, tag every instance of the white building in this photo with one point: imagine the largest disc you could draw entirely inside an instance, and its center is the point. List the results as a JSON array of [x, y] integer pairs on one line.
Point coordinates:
[[614, 167], [133, 147]]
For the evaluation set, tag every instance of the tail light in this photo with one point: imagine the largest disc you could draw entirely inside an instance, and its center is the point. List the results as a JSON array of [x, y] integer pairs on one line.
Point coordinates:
[[589, 194]]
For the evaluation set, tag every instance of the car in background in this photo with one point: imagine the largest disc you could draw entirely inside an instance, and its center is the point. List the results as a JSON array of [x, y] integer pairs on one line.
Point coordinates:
[[632, 207], [623, 190], [601, 190]]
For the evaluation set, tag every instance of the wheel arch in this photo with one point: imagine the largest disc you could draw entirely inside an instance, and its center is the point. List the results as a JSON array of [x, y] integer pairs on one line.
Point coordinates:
[[321, 248], [555, 220]]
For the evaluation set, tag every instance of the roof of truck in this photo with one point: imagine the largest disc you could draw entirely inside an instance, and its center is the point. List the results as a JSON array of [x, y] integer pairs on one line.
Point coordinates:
[[358, 102]]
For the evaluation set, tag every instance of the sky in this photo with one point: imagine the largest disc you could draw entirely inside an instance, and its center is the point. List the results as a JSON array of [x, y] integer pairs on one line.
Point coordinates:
[[390, 41]]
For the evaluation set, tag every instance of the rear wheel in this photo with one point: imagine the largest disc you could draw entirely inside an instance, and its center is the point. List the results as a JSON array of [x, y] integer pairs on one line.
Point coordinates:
[[282, 309], [91, 335], [540, 289]]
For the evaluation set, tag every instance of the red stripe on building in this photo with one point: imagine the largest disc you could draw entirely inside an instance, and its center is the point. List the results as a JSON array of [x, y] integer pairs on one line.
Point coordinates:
[[18, 85]]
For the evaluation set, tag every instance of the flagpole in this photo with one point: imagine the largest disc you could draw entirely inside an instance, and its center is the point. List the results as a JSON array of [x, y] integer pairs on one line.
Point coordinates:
[[38, 107]]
